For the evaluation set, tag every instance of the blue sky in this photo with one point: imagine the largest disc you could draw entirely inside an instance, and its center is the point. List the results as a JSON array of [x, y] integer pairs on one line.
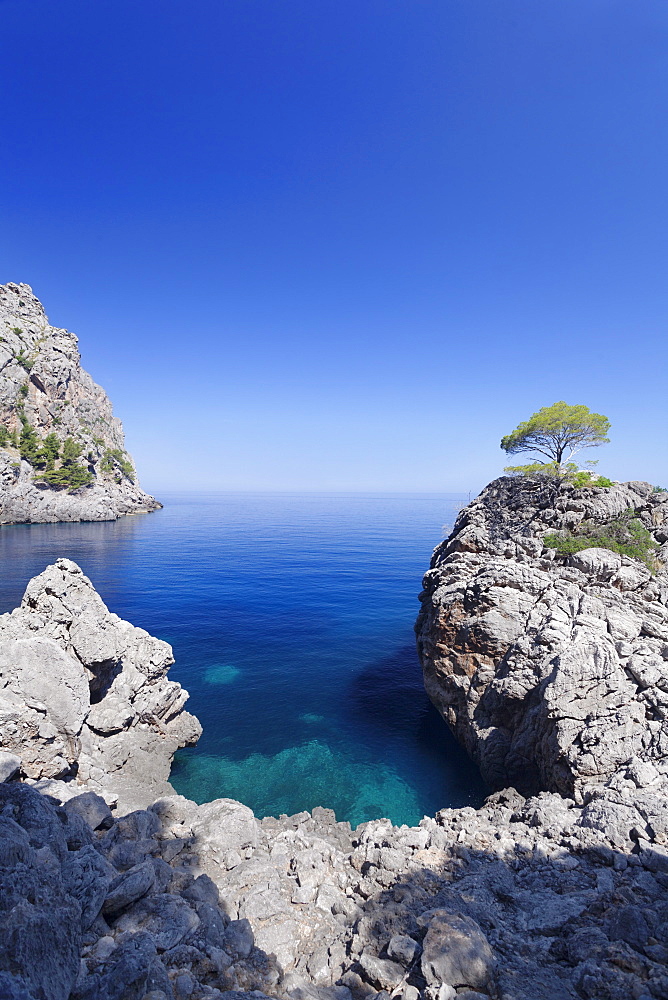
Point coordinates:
[[346, 245]]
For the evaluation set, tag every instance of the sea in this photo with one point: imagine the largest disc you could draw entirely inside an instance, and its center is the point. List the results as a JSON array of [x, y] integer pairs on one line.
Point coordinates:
[[291, 619]]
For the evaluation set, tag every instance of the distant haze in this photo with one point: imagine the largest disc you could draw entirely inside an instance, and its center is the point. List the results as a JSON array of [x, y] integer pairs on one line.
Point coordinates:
[[346, 246]]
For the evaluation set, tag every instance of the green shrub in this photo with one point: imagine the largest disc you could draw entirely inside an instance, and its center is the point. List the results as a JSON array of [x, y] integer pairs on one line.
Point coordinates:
[[17, 330], [625, 534], [568, 473], [29, 443], [585, 478], [535, 470], [23, 391], [659, 489], [4, 435], [71, 476], [50, 451], [115, 461], [24, 361], [71, 451]]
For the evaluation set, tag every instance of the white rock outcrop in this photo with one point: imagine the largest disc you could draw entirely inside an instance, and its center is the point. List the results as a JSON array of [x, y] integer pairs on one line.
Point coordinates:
[[84, 695], [42, 383], [551, 670]]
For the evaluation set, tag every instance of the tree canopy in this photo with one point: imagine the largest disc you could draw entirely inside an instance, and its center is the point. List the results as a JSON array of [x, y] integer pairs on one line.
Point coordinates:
[[558, 432]]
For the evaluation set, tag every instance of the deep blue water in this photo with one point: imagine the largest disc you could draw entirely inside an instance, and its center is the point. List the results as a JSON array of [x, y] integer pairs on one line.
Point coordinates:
[[291, 618]]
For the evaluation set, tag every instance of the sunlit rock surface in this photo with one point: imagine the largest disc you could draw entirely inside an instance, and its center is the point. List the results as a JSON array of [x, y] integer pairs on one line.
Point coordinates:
[[551, 670], [41, 379]]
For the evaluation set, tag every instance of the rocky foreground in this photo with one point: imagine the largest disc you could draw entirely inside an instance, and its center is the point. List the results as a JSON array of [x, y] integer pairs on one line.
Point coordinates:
[[44, 391], [560, 894]]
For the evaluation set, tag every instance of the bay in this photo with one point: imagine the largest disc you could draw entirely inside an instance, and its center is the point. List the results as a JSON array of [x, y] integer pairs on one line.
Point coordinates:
[[291, 619]]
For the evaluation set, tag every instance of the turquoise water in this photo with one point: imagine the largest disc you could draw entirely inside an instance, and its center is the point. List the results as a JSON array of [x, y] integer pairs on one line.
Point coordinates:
[[291, 618]]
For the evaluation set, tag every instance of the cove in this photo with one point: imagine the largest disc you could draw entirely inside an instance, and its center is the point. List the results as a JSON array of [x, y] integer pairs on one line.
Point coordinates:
[[291, 618]]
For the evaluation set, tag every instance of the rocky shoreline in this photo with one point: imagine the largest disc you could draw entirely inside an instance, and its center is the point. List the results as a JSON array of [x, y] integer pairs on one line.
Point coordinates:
[[559, 893], [45, 395]]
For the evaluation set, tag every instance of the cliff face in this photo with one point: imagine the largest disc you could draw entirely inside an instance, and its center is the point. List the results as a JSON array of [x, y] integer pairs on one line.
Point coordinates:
[[552, 670], [45, 394]]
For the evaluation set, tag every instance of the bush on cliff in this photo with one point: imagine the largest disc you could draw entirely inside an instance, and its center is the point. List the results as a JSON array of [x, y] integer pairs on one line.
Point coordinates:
[[586, 478], [72, 477], [568, 473], [70, 474], [115, 463], [29, 443], [24, 361], [625, 535]]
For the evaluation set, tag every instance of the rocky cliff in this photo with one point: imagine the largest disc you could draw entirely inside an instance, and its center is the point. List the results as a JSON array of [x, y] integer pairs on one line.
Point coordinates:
[[62, 452], [528, 898], [551, 669]]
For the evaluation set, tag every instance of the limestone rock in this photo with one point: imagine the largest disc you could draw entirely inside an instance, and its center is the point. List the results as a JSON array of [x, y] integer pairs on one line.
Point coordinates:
[[64, 661], [549, 669], [456, 952], [128, 887], [41, 381], [10, 765]]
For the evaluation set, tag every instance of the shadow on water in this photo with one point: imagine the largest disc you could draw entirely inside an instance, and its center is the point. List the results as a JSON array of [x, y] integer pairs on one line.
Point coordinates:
[[390, 706]]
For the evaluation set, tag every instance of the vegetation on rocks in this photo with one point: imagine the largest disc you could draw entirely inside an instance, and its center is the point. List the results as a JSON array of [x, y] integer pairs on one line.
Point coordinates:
[[44, 454], [50, 450], [8, 437], [24, 361], [29, 443], [584, 478], [569, 473], [625, 535], [70, 473], [115, 462], [71, 477]]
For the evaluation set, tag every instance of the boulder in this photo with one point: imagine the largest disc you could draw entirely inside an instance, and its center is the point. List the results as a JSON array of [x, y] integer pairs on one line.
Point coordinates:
[[456, 952], [64, 658]]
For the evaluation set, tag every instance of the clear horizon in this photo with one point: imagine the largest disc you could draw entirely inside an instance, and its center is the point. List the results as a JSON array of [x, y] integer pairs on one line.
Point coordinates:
[[344, 247]]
